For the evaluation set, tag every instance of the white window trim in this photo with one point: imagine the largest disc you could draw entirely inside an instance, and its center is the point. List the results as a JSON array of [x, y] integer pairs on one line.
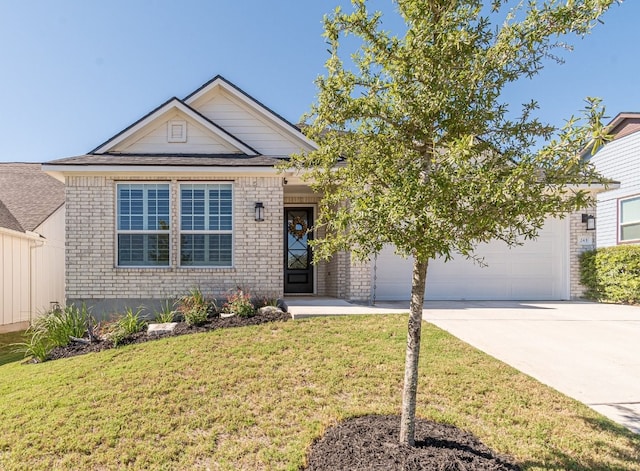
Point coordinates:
[[206, 232], [144, 232], [621, 224]]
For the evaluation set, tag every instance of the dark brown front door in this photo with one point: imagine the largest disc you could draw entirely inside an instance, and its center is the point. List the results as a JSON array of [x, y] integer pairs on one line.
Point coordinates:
[[298, 271]]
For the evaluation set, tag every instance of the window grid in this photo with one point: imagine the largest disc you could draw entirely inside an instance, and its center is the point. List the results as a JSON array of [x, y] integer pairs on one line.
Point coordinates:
[[206, 224], [143, 224]]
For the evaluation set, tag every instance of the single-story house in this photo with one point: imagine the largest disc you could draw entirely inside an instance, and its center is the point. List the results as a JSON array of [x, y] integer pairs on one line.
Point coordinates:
[[189, 195], [31, 243], [618, 209]]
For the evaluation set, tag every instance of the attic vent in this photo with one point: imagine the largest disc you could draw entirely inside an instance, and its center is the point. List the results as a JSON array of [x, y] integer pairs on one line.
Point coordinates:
[[177, 131]]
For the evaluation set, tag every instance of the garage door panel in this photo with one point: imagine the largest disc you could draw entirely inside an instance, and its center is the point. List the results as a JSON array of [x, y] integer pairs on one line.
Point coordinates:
[[536, 270]]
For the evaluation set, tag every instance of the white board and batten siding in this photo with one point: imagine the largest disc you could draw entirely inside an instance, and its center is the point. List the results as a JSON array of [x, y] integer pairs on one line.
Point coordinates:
[[31, 273], [15, 272], [618, 161], [537, 270]]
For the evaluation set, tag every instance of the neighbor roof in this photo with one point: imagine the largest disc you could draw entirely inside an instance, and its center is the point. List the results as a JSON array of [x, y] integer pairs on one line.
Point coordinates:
[[28, 196]]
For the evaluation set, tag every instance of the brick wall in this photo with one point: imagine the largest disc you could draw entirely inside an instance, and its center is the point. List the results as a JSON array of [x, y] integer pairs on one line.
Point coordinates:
[[90, 248], [578, 231]]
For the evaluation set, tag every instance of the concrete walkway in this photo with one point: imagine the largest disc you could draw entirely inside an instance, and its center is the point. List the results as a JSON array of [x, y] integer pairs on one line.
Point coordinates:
[[588, 351]]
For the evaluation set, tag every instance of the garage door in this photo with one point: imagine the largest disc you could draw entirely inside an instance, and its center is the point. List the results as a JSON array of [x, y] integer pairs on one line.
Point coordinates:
[[538, 270]]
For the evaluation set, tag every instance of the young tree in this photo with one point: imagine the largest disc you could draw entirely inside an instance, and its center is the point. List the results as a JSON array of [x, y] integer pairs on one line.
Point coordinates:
[[416, 148]]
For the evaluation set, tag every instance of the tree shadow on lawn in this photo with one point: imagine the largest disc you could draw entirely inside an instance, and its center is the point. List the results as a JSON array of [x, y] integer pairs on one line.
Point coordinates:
[[627, 451]]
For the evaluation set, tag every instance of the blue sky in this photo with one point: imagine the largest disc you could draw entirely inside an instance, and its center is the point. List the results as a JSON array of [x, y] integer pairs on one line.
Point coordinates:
[[76, 72]]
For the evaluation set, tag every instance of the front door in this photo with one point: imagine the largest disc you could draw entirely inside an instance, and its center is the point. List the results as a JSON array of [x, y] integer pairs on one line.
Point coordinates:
[[298, 271]]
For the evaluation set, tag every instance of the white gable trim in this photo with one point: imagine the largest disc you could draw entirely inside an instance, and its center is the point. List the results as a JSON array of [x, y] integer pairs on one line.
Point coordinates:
[[253, 105], [164, 109]]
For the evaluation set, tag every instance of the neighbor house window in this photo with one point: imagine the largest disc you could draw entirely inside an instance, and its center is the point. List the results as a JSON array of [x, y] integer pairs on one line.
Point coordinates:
[[143, 224], [206, 224], [630, 219]]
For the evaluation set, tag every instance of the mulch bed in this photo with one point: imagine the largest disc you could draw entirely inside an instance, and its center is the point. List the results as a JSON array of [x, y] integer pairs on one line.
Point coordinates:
[[182, 328], [371, 443]]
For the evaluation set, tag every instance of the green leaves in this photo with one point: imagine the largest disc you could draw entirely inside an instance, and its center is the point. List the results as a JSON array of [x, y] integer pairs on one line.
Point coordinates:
[[416, 147]]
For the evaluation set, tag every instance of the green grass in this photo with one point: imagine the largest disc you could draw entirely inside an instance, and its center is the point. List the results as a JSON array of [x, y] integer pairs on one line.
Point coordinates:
[[7, 353], [256, 398]]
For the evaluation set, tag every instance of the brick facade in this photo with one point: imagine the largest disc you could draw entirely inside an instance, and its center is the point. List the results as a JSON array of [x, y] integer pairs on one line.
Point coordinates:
[[92, 275], [580, 240]]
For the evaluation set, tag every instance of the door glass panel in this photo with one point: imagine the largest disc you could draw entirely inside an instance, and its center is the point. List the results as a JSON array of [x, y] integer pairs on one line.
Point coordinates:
[[298, 253]]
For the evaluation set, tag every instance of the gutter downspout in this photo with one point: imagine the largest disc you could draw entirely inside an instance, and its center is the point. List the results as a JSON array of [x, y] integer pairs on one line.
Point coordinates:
[[35, 241]]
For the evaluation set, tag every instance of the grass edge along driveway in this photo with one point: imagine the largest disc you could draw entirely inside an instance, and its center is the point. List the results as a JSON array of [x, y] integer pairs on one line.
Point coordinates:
[[255, 398]]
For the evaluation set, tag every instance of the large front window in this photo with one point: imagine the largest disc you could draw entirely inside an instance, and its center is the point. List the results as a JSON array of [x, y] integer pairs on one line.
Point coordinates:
[[206, 224], [143, 224], [630, 219]]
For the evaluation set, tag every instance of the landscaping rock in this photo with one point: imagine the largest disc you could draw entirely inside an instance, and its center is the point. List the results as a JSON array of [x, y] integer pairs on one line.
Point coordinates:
[[158, 329], [267, 310]]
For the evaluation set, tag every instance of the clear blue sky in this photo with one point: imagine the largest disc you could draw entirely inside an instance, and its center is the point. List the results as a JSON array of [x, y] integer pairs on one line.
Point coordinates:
[[76, 72]]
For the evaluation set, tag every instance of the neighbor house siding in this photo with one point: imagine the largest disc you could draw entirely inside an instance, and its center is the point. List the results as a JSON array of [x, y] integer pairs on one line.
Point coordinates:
[[618, 161], [14, 278], [31, 272], [48, 263], [93, 277]]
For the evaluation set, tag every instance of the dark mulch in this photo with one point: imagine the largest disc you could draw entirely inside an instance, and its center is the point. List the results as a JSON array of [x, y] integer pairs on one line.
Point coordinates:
[[370, 443], [182, 328]]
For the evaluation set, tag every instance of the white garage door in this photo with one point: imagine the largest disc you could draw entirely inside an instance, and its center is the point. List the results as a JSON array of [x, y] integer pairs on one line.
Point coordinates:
[[538, 270]]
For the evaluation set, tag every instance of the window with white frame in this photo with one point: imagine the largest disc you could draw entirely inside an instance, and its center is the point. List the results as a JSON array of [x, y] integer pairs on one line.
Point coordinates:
[[630, 219], [206, 224], [143, 224]]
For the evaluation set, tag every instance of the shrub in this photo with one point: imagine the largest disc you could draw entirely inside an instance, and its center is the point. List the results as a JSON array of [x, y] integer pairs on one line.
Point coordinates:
[[612, 274], [194, 306], [127, 325], [166, 312], [36, 346], [55, 329], [239, 303], [59, 325]]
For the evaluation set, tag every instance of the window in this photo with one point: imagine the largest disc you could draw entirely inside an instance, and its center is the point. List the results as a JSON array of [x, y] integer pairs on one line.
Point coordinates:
[[143, 224], [630, 219], [206, 224]]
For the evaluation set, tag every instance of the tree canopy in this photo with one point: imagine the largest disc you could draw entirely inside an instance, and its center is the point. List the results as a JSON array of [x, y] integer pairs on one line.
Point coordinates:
[[417, 146]]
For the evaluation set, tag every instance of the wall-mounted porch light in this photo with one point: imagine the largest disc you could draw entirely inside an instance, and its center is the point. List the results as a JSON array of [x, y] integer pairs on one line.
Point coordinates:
[[590, 221], [259, 212]]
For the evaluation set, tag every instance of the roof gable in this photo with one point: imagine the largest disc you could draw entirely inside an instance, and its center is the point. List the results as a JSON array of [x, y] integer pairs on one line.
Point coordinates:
[[248, 119], [28, 195], [624, 124], [150, 134]]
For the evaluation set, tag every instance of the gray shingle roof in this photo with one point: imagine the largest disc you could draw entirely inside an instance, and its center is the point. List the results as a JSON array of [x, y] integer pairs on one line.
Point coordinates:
[[28, 196], [180, 160]]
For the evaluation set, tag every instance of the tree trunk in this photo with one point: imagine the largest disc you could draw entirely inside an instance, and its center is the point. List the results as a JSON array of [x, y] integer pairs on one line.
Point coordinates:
[[408, 420]]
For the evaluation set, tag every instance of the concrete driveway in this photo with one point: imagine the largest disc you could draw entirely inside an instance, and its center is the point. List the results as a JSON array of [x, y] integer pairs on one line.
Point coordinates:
[[588, 351]]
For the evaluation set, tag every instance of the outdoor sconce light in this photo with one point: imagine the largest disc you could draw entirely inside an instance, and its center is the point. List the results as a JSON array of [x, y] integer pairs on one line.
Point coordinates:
[[590, 221], [259, 212]]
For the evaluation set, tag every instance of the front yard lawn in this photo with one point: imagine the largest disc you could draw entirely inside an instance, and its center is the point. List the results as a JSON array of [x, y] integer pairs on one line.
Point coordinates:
[[256, 397], [7, 353]]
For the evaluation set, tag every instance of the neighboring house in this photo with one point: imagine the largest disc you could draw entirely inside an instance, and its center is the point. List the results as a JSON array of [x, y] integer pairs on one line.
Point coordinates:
[[618, 210], [189, 195], [31, 243]]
